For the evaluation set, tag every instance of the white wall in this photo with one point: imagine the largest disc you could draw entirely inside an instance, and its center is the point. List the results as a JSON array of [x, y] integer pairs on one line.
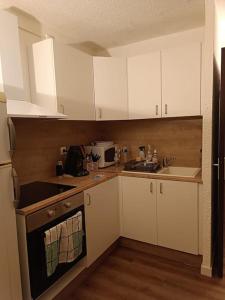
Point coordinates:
[[179, 38], [219, 40]]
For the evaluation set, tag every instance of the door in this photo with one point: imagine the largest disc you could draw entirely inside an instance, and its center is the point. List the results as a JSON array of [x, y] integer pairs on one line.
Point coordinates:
[[102, 218], [144, 86], [181, 81], [177, 215], [110, 88], [139, 209], [10, 56], [10, 285], [218, 173]]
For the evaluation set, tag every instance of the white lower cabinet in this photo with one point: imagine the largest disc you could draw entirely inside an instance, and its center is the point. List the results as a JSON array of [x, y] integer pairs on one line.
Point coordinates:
[[139, 209], [177, 215], [161, 212], [101, 218]]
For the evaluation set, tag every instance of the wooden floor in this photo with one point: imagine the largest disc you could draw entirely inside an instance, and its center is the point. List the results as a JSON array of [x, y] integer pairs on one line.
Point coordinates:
[[132, 275]]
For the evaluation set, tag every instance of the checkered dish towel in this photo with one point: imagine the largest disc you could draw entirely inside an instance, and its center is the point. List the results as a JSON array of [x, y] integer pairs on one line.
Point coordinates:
[[71, 239], [52, 239], [63, 243]]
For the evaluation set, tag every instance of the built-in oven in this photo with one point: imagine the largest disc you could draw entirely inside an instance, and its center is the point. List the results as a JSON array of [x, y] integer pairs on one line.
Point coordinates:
[[37, 224]]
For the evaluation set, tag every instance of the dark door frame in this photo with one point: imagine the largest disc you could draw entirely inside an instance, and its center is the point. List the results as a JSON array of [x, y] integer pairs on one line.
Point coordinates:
[[218, 168]]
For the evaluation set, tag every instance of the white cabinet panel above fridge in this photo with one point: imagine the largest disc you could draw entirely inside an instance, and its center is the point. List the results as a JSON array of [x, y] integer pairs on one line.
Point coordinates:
[[11, 57], [11, 72]]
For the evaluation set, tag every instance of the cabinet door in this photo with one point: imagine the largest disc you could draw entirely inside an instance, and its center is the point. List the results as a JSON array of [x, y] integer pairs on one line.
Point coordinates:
[[26, 41], [44, 93], [102, 218], [63, 80], [10, 57], [110, 85], [144, 86], [74, 82], [181, 81], [177, 215], [139, 209]]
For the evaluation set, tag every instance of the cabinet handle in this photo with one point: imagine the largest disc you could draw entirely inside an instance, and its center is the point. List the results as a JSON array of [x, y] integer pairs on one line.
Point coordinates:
[[161, 188], [89, 199], [16, 187], [166, 109], [12, 136], [151, 187], [63, 108], [100, 113], [157, 110]]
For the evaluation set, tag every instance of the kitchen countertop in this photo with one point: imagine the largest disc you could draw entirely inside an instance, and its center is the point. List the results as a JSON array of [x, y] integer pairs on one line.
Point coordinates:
[[80, 184], [83, 183], [119, 171]]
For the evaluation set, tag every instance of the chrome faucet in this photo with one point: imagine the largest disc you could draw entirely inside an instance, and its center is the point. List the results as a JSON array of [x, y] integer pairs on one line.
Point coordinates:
[[167, 161]]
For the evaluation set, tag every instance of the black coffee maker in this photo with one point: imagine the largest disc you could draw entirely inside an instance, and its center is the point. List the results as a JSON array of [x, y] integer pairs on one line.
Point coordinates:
[[74, 164]]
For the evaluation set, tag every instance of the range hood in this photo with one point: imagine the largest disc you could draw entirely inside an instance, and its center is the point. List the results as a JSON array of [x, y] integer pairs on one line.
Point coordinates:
[[24, 109]]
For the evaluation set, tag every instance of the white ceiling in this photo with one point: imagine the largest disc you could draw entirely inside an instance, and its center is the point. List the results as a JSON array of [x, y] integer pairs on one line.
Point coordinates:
[[109, 23]]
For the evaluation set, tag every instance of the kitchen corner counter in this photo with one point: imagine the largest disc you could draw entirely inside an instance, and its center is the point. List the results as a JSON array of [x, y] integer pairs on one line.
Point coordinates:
[[80, 184], [83, 183]]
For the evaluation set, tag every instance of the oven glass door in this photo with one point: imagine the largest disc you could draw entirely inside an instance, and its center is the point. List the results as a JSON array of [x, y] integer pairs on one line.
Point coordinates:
[[39, 281]]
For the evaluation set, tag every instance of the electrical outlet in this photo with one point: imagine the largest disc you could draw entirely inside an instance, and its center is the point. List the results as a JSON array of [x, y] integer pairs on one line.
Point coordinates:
[[63, 150]]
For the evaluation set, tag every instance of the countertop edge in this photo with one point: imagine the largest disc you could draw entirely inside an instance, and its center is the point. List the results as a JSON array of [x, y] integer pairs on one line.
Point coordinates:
[[91, 182], [53, 200]]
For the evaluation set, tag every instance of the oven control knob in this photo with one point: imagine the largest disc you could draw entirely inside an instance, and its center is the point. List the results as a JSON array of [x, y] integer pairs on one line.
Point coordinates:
[[51, 213], [67, 204]]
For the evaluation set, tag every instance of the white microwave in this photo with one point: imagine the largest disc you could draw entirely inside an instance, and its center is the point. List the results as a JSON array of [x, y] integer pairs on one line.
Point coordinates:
[[106, 151]]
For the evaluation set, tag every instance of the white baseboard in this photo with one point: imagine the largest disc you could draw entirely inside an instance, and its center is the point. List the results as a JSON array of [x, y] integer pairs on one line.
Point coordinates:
[[206, 270]]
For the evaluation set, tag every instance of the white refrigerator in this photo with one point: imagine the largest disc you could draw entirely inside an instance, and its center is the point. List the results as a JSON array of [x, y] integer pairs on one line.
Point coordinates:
[[10, 282]]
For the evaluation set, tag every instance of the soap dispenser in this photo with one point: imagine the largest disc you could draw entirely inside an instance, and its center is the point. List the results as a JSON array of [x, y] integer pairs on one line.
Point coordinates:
[[142, 152], [155, 157], [149, 154]]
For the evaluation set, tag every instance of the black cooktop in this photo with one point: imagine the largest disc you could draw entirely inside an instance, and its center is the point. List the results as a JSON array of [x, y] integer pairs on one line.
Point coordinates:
[[37, 191]]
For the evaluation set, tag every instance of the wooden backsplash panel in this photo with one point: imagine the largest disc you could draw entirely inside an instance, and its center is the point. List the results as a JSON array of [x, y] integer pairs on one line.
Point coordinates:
[[179, 137], [38, 141]]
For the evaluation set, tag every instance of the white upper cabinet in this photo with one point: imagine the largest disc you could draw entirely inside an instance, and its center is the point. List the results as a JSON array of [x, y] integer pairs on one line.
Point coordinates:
[[110, 84], [26, 41], [64, 79], [144, 86], [181, 81], [10, 57]]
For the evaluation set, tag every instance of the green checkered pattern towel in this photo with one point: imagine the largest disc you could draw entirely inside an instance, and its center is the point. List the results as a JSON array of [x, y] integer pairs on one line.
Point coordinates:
[[63, 243]]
